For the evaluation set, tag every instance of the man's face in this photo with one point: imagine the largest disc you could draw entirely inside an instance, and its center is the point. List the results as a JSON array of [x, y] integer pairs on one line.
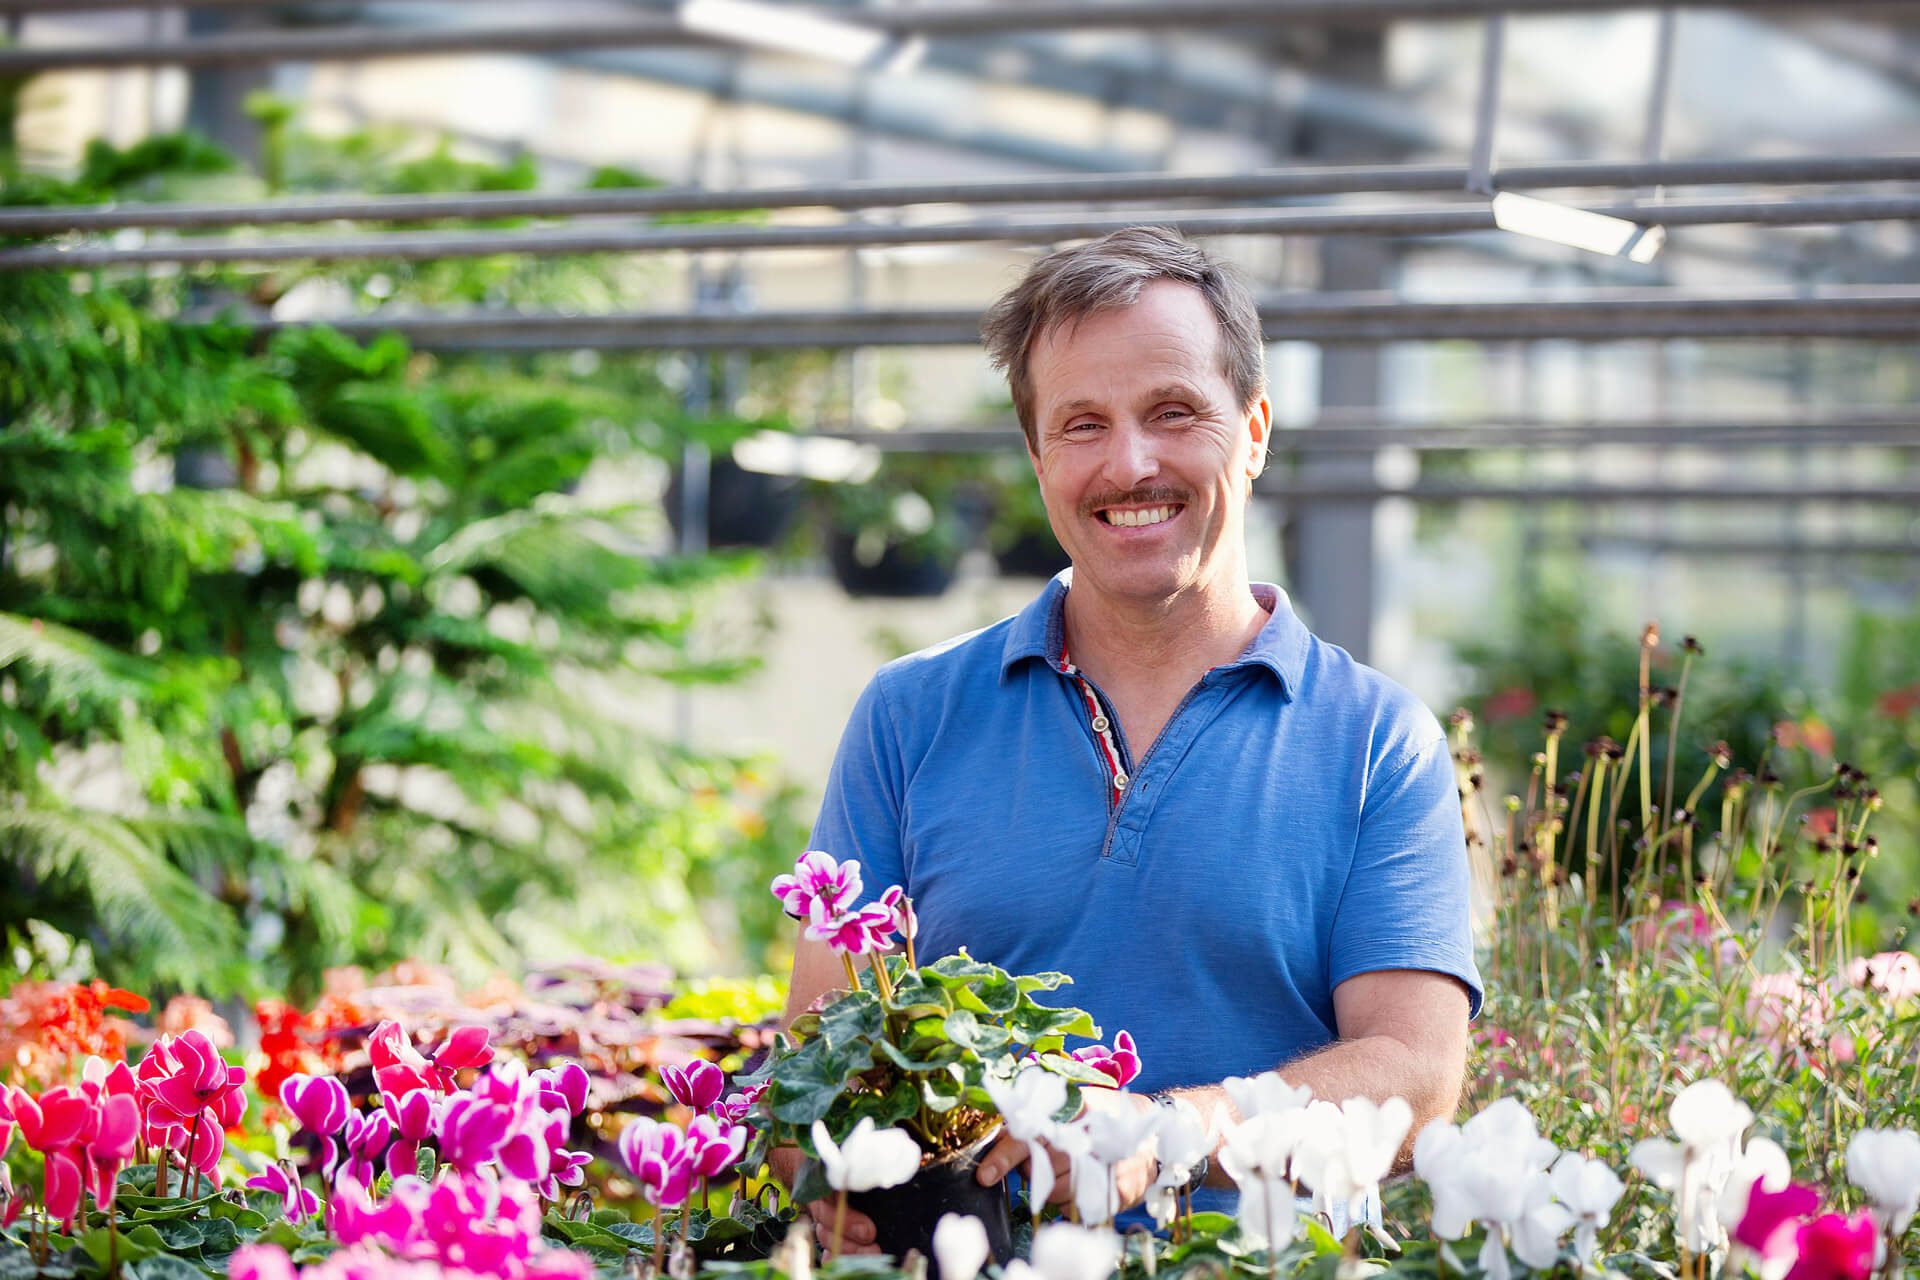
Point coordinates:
[[1143, 454]]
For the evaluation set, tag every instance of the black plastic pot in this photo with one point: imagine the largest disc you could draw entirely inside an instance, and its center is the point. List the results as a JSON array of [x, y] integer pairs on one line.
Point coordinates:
[[1031, 555], [744, 508], [904, 1216], [899, 572]]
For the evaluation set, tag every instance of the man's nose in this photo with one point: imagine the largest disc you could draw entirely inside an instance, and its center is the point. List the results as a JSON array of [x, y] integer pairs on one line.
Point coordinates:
[[1133, 456]]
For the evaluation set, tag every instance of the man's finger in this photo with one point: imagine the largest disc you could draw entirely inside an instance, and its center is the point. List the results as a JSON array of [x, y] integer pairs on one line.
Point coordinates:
[[1006, 1155], [857, 1229]]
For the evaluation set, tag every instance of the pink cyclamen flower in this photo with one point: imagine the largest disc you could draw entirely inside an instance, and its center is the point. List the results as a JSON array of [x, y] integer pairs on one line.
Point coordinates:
[[1894, 974], [735, 1110], [1835, 1246], [108, 1144], [413, 1119], [564, 1086], [297, 1204], [900, 907], [197, 1079], [319, 1103], [398, 1067], [364, 1141], [1772, 1220], [856, 933], [698, 1085], [660, 1159], [1121, 1063], [818, 879], [471, 1130], [716, 1147]]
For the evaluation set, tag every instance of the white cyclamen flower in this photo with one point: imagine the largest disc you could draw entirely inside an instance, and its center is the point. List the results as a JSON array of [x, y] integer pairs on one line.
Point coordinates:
[[1885, 1163], [1589, 1189], [1493, 1169], [1762, 1161], [1267, 1092], [960, 1246], [869, 1159], [1027, 1104], [1063, 1251], [1181, 1138], [1708, 1120], [1536, 1233], [1374, 1134], [1257, 1154]]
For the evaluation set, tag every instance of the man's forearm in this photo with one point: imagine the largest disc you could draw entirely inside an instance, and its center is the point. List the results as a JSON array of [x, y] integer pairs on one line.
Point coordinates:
[[1376, 1067]]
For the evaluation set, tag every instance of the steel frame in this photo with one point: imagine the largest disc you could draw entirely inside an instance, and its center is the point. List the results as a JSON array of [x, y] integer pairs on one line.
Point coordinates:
[[415, 246], [933, 20], [1272, 184]]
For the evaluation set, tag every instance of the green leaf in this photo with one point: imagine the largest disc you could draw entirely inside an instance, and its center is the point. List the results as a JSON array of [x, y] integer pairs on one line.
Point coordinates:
[[938, 1054], [811, 1183], [967, 1031], [141, 1242], [999, 994], [1048, 981], [166, 1267], [426, 1163], [853, 1017], [1030, 1022], [806, 1083], [957, 971]]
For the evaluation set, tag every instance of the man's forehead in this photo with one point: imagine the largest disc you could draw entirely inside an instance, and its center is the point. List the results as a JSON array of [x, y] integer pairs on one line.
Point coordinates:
[[1169, 334]]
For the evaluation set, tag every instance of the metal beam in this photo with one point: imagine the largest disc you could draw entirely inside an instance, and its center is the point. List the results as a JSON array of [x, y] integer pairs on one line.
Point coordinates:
[[1271, 184], [1559, 491], [419, 246], [932, 20], [1900, 432], [1614, 316]]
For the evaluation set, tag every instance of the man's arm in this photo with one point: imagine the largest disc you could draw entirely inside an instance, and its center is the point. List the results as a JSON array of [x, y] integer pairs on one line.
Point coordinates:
[[1403, 1033]]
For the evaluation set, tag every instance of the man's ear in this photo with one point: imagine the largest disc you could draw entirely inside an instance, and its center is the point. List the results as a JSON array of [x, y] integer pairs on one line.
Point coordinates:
[[1260, 429]]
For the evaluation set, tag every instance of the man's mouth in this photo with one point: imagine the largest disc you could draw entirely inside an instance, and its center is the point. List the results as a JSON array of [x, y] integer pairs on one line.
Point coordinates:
[[1137, 518]]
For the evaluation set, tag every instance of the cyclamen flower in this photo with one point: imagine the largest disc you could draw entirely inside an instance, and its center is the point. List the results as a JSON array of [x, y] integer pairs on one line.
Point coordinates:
[[297, 1204], [738, 1106], [319, 1103], [960, 1246], [1770, 1227], [698, 1085], [715, 1148], [818, 880], [413, 1119], [365, 1141], [900, 907], [471, 1130], [1122, 1062], [399, 1068], [564, 1086], [856, 933], [1884, 1163], [870, 1159], [192, 1078], [660, 1159], [1835, 1247]]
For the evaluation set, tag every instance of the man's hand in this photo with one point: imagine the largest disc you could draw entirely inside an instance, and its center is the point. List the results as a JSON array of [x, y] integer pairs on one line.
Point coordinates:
[[856, 1232], [1131, 1176]]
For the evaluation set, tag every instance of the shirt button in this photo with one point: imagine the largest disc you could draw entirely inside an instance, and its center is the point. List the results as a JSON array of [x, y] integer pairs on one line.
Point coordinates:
[[1100, 724], [1120, 781]]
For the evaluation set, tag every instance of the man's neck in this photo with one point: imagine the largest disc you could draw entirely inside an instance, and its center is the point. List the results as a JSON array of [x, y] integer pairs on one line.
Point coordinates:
[[1173, 641]]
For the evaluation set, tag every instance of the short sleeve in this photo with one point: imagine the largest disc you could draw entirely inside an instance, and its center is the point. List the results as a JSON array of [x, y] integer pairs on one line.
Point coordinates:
[[1407, 900], [860, 814]]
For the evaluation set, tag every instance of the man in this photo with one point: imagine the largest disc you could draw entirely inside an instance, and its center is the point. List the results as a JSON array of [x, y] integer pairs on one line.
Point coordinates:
[[1244, 846]]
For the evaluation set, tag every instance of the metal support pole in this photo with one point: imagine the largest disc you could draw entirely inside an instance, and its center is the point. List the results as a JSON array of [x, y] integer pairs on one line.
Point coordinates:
[[1486, 116], [1270, 184]]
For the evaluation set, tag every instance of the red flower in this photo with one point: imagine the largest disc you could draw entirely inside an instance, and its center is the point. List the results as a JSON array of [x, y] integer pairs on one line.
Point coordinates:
[[1898, 704]]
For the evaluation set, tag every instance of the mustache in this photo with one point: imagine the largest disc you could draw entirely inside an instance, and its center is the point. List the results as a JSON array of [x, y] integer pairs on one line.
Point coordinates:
[[1152, 496]]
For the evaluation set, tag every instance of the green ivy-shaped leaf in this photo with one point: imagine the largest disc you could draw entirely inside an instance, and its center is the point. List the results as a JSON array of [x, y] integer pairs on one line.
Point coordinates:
[[967, 1031], [804, 1088], [854, 1017]]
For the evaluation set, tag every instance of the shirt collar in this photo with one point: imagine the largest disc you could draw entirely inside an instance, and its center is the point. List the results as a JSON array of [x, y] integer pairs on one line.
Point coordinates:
[[1039, 631]]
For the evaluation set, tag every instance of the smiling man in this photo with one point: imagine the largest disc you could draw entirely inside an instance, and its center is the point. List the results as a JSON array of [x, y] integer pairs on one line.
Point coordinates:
[[1243, 845]]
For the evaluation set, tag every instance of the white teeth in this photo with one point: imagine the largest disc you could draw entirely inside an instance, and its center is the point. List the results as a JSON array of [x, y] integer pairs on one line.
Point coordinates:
[[1135, 519]]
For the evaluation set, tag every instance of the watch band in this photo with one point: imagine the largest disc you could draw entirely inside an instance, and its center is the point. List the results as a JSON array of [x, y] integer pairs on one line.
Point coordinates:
[[1196, 1179]]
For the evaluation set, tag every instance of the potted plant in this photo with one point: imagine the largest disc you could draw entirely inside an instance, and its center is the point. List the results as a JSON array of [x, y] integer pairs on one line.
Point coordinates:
[[914, 1052], [1019, 532], [901, 533]]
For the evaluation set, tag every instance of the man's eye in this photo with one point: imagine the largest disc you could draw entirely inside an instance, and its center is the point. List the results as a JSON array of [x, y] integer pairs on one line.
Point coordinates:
[[1166, 415], [1081, 427]]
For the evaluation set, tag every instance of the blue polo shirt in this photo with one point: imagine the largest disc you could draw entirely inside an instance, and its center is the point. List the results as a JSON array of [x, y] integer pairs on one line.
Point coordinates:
[[1296, 823]]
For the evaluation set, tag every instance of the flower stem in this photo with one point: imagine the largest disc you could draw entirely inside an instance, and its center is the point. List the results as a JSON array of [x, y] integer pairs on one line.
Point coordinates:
[[839, 1221], [193, 1143], [659, 1240], [853, 974]]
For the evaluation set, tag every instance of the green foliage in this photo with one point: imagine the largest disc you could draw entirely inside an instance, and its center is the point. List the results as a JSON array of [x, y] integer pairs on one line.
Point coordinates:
[[363, 697], [918, 1048]]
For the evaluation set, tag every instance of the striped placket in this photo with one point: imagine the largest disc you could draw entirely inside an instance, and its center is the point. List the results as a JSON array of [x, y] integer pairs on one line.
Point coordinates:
[[1103, 727]]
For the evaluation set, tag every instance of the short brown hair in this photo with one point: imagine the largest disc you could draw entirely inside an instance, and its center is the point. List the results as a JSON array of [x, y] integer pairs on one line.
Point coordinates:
[[1070, 284]]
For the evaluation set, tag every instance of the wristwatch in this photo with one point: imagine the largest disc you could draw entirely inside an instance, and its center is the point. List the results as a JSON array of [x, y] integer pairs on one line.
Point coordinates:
[[1196, 1179]]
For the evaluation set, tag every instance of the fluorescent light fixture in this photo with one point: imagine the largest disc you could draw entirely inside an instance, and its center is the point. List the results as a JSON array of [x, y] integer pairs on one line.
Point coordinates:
[[779, 453], [788, 30], [1580, 228]]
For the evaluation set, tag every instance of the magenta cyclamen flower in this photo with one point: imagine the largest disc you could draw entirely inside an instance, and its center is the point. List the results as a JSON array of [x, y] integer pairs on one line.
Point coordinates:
[[319, 1103], [413, 1117], [1835, 1246], [563, 1086], [1772, 1220], [194, 1079], [900, 907], [738, 1106], [699, 1084], [660, 1159], [471, 1130], [818, 879], [1122, 1062], [857, 933], [715, 1147], [297, 1204], [365, 1141]]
